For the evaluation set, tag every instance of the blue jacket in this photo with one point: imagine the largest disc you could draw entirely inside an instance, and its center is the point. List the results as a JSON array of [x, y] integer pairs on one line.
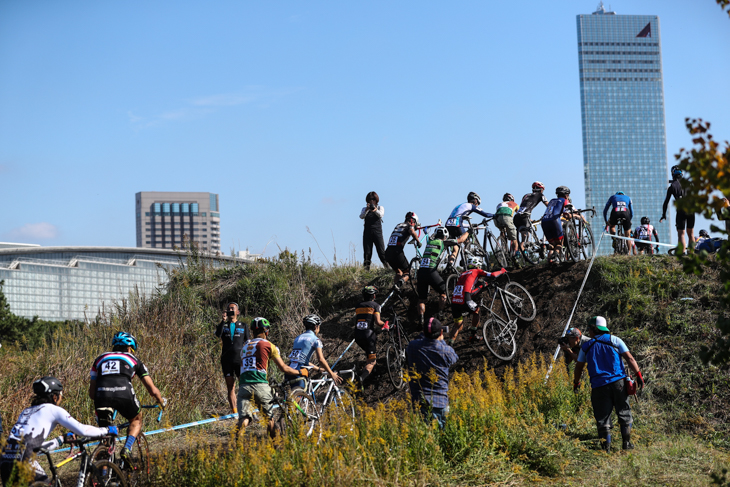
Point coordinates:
[[423, 355], [619, 202]]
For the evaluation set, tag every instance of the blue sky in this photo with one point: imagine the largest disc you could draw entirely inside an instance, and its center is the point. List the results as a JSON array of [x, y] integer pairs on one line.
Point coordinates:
[[293, 111]]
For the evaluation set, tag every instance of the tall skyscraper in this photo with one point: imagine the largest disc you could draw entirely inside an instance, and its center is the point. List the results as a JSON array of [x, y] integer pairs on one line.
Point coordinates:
[[622, 114], [165, 218]]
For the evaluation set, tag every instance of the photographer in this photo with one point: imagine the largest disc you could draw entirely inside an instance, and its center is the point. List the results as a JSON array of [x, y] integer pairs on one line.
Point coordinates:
[[571, 342], [233, 334], [373, 232]]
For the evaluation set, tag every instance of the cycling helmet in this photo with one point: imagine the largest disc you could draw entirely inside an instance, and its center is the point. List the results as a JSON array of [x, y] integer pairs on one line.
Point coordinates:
[[573, 332], [474, 263], [439, 233], [124, 339], [703, 233], [411, 215], [620, 192], [369, 291], [260, 324], [562, 190], [47, 385], [312, 321], [508, 197], [645, 220], [473, 196], [676, 172], [538, 186]]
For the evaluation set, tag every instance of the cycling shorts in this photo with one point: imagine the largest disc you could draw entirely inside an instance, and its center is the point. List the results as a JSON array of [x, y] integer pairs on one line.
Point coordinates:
[[367, 340], [104, 409], [685, 220], [230, 369], [506, 222], [459, 310], [429, 277], [456, 232], [645, 246], [522, 221], [614, 217], [553, 230], [395, 256]]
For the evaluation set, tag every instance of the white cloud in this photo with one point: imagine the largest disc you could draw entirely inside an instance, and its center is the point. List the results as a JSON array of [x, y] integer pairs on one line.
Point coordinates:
[[34, 231]]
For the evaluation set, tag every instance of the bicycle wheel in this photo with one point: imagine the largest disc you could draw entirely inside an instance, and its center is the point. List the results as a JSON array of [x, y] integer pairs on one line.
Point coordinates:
[[532, 250], [587, 244], [105, 474], [500, 337], [500, 256], [137, 469], [395, 360], [520, 301], [570, 241], [413, 267], [505, 245], [303, 414], [450, 285], [341, 407]]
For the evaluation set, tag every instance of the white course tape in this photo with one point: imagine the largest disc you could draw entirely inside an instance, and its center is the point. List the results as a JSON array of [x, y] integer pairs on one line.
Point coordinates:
[[639, 240]]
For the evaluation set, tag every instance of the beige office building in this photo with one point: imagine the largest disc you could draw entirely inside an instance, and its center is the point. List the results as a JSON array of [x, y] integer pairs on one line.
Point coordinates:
[[166, 219]]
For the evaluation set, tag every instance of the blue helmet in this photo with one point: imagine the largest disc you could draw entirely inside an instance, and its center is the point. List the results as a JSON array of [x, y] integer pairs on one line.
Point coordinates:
[[677, 172], [619, 192], [124, 339]]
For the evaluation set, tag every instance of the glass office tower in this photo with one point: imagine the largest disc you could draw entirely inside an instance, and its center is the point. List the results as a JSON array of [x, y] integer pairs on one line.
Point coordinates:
[[622, 115]]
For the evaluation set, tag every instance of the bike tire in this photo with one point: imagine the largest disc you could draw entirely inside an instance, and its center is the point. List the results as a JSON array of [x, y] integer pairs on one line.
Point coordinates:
[[500, 256], [105, 474], [451, 281], [532, 250], [140, 468], [499, 336], [520, 301], [587, 243], [395, 362], [303, 413], [341, 408], [570, 240], [413, 267]]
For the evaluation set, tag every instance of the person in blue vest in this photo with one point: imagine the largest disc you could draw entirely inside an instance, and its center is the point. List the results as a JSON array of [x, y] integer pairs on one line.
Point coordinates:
[[233, 335], [602, 355]]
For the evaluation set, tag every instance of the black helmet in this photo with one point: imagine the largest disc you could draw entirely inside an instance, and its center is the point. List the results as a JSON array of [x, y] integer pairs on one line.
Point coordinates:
[[473, 196], [562, 190], [645, 220], [369, 291], [508, 197], [312, 321], [439, 233], [703, 233], [47, 385]]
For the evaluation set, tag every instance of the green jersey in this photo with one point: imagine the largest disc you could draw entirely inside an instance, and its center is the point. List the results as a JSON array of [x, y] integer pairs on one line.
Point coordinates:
[[434, 248]]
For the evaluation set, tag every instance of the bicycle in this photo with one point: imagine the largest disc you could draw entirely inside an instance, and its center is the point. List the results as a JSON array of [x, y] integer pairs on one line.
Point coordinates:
[[585, 233], [395, 354], [101, 473], [335, 404], [620, 246], [138, 468], [498, 332], [472, 247], [532, 247], [297, 411]]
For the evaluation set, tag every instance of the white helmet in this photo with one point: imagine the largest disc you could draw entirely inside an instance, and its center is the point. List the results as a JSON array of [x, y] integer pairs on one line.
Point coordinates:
[[474, 263]]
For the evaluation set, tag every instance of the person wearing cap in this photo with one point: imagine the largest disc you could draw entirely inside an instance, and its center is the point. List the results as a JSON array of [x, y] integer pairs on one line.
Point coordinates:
[[233, 335], [602, 355], [571, 343], [427, 355]]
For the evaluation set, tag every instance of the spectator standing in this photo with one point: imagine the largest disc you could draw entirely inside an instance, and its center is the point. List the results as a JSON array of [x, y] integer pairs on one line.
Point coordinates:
[[602, 355], [429, 359], [373, 213], [233, 335]]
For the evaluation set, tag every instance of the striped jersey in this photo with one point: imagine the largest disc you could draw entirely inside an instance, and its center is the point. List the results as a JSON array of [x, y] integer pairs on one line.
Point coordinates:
[[255, 356]]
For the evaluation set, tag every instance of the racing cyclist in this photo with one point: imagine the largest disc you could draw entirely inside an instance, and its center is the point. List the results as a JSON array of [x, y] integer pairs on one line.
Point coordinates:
[[394, 254], [552, 226], [504, 220], [644, 232], [467, 287], [306, 345], [457, 227], [111, 387], [35, 424], [367, 324], [529, 202], [428, 275], [621, 207], [683, 219]]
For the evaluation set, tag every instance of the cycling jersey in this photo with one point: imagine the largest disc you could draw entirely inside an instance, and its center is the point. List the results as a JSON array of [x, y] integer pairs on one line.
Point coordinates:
[[432, 253], [465, 285], [113, 373], [645, 232], [400, 235], [464, 209], [554, 209], [233, 336], [303, 348], [530, 201], [32, 428], [619, 204], [365, 315], [255, 356], [507, 208], [675, 189]]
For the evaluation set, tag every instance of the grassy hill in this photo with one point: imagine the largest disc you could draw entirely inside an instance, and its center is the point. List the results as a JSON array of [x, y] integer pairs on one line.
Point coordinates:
[[506, 424]]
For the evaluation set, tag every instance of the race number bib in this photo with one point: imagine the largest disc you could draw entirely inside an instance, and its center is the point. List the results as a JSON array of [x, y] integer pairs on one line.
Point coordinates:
[[393, 240], [458, 290], [248, 364], [362, 325], [425, 262], [110, 367], [452, 222], [296, 356]]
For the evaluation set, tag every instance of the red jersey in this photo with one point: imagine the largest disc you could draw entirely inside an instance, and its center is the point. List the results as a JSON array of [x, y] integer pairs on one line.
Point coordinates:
[[465, 284]]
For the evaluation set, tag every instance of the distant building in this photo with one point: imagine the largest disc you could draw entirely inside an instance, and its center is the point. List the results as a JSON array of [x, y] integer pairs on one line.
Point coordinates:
[[622, 111], [165, 219], [74, 283]]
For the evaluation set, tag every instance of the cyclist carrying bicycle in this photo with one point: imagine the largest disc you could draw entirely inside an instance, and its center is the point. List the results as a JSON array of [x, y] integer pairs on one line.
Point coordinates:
[[621, 208], [468, 286], [644, 232], [457, 227], [306, 345], [254, 380], [504, 220], [35, 424], [529, 202], [367, 325], [551, 223], [428, 275], [111, 387], [394, 254]]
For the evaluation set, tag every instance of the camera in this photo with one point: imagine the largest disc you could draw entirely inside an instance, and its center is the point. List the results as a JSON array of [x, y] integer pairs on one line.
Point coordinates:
[[563, 341], [230, 313]]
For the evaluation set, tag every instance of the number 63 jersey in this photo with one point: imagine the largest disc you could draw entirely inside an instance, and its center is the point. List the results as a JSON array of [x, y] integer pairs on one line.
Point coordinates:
[[113, 372]]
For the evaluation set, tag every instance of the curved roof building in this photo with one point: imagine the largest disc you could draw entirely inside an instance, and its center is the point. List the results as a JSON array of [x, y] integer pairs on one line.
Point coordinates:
[[74, 283]]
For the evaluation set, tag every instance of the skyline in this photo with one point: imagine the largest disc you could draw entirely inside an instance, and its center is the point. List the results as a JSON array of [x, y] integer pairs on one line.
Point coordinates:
[[279, 108]]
